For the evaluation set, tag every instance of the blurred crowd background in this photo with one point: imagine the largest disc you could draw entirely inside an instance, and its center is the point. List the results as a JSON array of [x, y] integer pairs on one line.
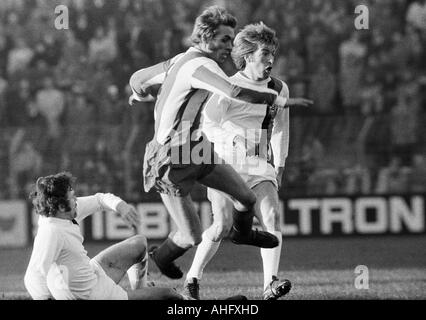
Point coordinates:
[[64, 93]]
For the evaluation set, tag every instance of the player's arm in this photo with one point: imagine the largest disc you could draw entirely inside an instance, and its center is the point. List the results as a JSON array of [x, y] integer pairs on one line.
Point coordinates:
[[299, 102], [47, 246], [280, 137], [146, 83], [87, 206], [210, 77]]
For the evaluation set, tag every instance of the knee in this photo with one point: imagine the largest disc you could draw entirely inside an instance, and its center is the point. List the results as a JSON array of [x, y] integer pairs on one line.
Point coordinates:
[[271, 219], [219, 230], [193, 239], [249, 199], [138, 246]]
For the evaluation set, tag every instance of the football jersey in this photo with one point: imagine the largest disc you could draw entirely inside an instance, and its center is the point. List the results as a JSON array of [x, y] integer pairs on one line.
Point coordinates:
[[264, 127], [182, 86]]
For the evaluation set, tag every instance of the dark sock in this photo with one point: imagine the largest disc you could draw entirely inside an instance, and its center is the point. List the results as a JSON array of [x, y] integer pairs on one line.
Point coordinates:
[[243, 221], [168, 251]]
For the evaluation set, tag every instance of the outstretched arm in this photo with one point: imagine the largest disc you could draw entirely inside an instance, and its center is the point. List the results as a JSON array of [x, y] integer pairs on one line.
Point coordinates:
[[87, 206], [302, 102], [210, 77]]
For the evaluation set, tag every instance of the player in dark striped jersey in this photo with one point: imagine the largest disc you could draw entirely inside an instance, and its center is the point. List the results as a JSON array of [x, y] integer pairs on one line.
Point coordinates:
[[182, 87]]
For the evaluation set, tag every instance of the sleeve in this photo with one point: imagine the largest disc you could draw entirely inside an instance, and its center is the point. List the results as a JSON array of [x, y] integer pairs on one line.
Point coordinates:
[[210, 77], [213, 114], [87, 206], [281, 132], [146, 83], [47, 247]]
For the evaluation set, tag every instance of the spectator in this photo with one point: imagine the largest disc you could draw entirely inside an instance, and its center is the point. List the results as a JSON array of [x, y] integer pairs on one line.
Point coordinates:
[[352, 54], [312, 153], [19, 57], [79, 112], [404, 117], [73, 49], [416, 14], [325, 181], [17, 99], [393, 178], [417, 175], [47, 50], [25, 165], [371, 96], [4, 52], [3, 90], [316, 44], [294, 67], [50, 103], [103, 47], [323, 89], [357, 180]]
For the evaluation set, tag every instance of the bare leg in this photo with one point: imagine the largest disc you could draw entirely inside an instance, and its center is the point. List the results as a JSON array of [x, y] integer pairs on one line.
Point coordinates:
[[212, 236], [224, 178], [117, 259], [183, 213], [268, 214], [138, 274], [188, 234], [267, 206]]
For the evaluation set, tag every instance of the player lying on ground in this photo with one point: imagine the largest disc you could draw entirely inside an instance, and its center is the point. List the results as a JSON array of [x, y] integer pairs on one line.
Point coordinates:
[[258, 131], [59, 267], [187, 81]]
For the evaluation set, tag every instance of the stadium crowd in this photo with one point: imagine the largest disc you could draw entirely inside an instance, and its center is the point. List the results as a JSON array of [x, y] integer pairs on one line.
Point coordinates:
[[364, 135]]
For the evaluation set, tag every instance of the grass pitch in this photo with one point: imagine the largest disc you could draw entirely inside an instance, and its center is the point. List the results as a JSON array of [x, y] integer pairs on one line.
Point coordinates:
[[319, 268]]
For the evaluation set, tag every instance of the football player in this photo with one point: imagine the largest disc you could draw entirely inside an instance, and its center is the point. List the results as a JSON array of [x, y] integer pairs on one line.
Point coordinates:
[[259, 133], [59, 267], [187, 81]]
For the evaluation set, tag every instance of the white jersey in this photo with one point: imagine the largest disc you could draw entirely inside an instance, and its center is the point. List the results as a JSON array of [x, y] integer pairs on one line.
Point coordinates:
[[265, 128], [58, 245]]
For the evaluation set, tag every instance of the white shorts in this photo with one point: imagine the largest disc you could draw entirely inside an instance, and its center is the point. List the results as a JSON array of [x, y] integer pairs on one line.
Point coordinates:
[[106, 288], [252, 180]]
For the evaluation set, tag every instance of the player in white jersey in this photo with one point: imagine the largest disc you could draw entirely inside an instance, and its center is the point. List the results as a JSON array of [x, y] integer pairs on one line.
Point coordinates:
[[187, 81], [261, 134], [59, 267]]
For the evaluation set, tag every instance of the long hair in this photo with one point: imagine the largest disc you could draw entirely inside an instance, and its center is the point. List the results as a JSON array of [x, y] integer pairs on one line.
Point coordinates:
[[248, 41], [209, 21], [50, 192]]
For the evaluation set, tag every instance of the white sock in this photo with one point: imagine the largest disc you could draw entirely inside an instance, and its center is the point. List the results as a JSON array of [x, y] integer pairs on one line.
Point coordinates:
[[271, 260], [138, 274], [205, 252]]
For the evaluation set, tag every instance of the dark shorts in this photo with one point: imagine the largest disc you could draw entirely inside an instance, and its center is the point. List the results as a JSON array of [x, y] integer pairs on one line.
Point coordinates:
[[171, 177]]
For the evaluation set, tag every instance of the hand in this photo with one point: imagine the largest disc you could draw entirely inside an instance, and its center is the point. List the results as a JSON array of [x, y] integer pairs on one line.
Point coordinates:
[[239, 143], [145, 97], [129, 215], [302, 102], [133, 100], [280, 172]]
